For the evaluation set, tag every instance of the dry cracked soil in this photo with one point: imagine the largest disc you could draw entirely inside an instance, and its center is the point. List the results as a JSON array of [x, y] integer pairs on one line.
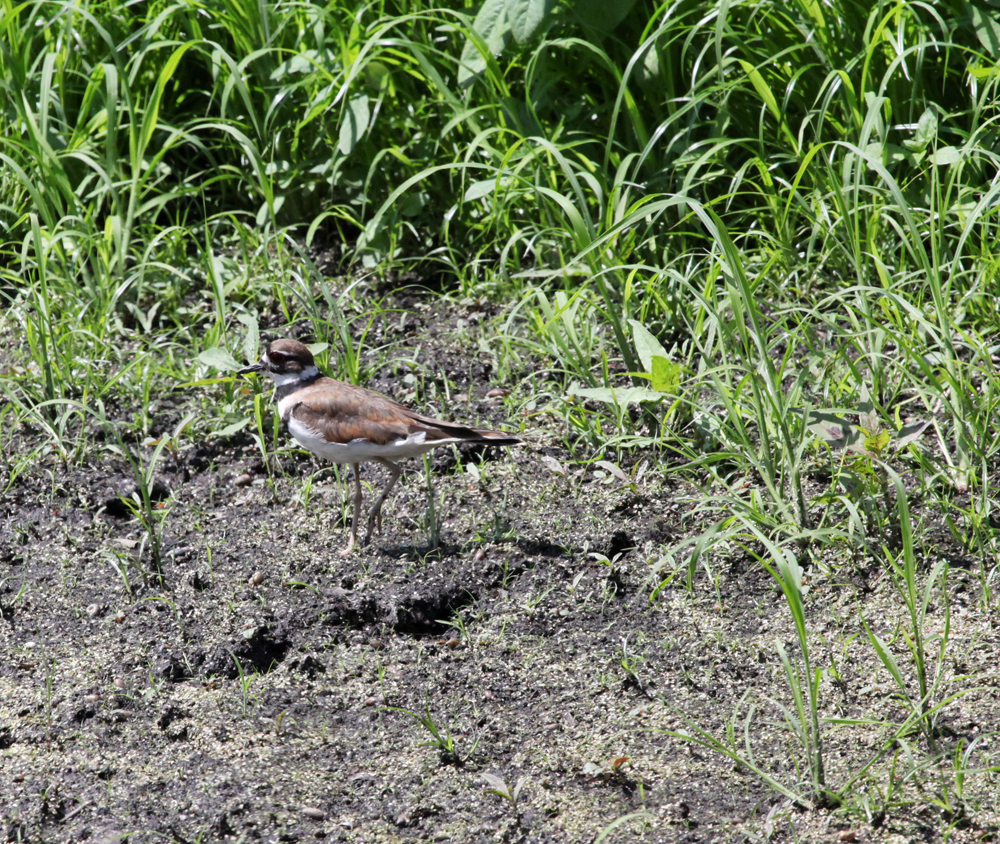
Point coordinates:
[[260, 687]]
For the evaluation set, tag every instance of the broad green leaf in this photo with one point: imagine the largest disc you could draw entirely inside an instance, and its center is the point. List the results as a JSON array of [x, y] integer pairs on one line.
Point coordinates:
[[613, 469], [626, 395], [526, 17], [264, 212], [910, 433], [927, 127], [895, 153], [251, 343], [946, 155], [219, 359], [651, 64], [983, 72], [355, 122], [493, 26], [229, 430], [666, 376], [877, 442], [302, 63], [414, 203], [377, 76], [477, 190], [874, 105], [602, 15], [497, 785], [868, 417], [831, 429], [485, 187], [646, 345], [987, 28]]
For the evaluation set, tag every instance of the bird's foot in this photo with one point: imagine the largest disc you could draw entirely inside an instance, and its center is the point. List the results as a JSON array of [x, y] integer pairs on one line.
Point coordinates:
[[346, 552]]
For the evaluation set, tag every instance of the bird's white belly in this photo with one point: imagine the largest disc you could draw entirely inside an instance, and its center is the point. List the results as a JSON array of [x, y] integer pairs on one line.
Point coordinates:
[[360, 450]]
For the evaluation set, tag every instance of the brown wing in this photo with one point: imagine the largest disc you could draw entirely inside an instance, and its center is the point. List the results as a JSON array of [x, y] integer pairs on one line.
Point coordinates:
[[348, 412]]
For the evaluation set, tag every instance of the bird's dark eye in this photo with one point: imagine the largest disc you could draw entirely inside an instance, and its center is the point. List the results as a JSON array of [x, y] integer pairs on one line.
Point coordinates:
[[277, 357]]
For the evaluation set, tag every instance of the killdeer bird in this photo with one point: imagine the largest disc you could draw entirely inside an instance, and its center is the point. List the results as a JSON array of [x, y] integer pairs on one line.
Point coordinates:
[[347, 424]]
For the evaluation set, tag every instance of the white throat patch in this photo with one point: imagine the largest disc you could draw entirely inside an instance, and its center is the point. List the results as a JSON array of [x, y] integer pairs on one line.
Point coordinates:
[[293, 377]]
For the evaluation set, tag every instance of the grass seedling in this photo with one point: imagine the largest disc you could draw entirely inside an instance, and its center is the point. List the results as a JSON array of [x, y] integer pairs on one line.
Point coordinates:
[[434, 514], [730, 746], [13, 459], [246, 679], [457, 623], [630, 665], [643, 816], [512, 795], [442, 740], [7, 612], [804, 720], [150, 513], [904, 576], [121, 564]]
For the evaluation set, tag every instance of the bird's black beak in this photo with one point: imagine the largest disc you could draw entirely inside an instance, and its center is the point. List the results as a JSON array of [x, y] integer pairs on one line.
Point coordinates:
[[254, 367]]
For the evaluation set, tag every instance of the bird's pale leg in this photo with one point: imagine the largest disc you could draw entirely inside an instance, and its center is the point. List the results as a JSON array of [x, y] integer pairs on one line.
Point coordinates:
[[376, 514], [357, 511]]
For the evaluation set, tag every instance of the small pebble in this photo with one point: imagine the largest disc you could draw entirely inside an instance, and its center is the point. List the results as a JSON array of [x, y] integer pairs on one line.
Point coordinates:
[[93, 610], [257, 578], [243, 480], [480, 555], [313, 812]]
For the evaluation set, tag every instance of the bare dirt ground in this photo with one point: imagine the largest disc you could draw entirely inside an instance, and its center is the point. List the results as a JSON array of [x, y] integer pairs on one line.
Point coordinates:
[[262, 688]]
